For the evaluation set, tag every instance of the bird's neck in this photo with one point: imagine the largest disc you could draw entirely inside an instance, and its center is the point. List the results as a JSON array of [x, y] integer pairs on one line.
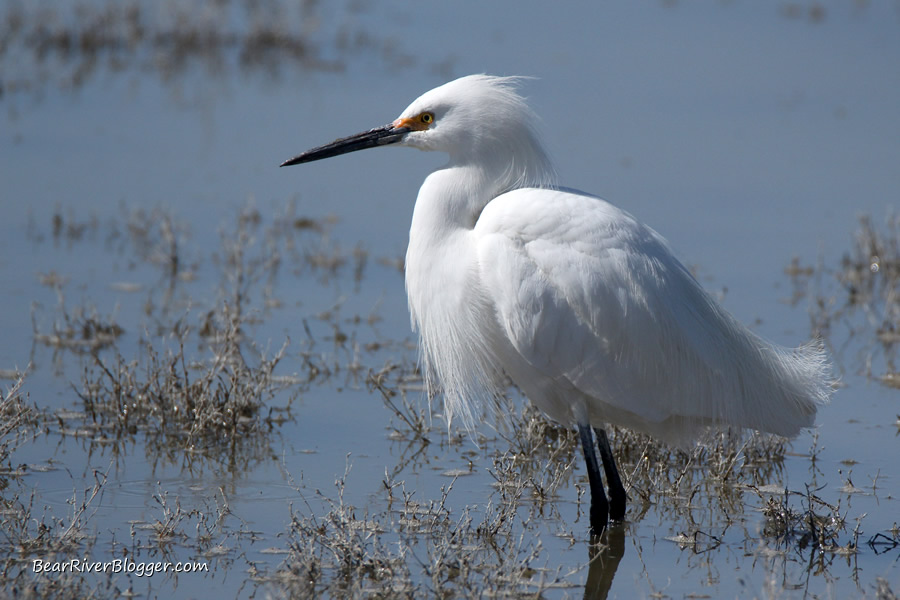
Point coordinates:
[[453, 197]]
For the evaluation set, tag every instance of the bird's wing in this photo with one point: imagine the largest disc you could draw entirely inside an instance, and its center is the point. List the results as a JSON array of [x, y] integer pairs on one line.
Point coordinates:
[[589, 296]]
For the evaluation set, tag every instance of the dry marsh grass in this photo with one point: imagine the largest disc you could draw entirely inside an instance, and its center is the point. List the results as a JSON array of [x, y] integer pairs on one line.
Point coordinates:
[[855, 304], [48, 45], [190, 386]]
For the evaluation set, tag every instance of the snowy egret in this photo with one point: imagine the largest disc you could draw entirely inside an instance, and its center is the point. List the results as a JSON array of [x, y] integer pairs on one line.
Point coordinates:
[[586, 309]]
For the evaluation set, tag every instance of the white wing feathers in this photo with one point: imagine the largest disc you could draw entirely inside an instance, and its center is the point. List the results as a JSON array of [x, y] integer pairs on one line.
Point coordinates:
[[595, 304]]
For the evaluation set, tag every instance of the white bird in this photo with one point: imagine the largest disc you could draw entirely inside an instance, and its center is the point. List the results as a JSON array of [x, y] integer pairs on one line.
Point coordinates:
[[586, 309]]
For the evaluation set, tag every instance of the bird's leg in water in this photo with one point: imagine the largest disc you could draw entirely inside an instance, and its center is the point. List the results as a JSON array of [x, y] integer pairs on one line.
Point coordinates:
[[599, 505], [617, 497]]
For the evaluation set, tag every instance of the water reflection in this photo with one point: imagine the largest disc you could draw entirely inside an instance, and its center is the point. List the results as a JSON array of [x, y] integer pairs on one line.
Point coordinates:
[[604, 561]]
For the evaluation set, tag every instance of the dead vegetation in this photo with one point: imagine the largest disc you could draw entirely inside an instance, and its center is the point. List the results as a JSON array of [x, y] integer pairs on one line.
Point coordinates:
[[190, 386], [67, 46], [17, 423], [29, 531], [191, 382], [857, 301], [204, 406], [409, 549]]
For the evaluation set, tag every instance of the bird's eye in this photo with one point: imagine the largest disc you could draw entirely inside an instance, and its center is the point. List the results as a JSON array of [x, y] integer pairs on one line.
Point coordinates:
[[427, 118]]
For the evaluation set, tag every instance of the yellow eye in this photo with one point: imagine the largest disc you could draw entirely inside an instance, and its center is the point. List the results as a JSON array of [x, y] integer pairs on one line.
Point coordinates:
[[427, 118]]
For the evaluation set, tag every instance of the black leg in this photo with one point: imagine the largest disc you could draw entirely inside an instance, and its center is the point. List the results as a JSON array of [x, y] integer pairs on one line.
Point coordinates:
[[599, 505], [617, 497]]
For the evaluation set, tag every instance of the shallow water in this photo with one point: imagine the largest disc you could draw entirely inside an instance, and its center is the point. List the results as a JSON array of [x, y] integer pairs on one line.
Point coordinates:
[[747, 134]]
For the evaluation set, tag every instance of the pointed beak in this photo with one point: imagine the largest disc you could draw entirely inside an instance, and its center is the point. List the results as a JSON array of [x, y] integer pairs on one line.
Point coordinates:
[[380, 136]]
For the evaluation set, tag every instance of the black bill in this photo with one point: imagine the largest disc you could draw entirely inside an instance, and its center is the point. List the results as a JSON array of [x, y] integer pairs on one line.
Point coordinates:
[[380, 136]]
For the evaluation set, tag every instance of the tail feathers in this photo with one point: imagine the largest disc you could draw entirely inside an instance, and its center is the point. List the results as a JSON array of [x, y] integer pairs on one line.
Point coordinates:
[[803, 382], [773, 390], [779, 390]]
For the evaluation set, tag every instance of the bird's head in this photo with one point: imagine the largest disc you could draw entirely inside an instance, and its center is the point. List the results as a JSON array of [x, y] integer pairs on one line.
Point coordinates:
[[469, 115], [477, 118]]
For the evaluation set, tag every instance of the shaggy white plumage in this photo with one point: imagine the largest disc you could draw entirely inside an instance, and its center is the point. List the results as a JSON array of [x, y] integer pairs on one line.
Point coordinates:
[[585, 308]]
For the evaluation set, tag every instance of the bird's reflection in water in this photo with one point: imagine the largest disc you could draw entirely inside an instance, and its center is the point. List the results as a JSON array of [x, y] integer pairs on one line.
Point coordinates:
[[605, 556]]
